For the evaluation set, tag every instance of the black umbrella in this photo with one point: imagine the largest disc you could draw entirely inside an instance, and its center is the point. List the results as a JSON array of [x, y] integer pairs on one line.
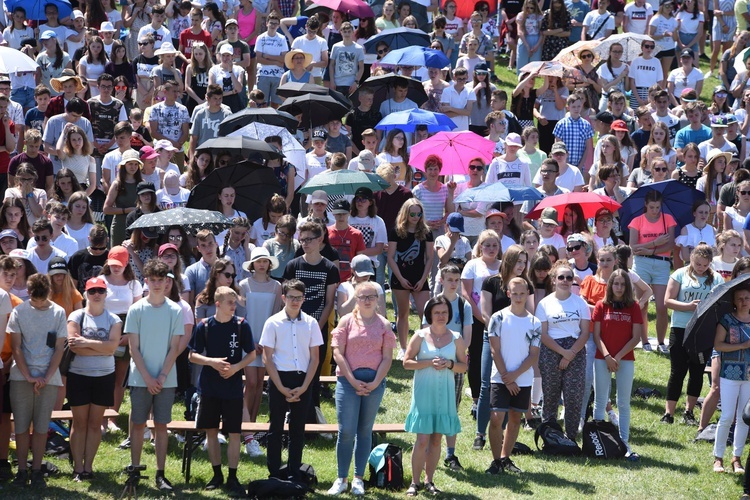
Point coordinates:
[[383, 87], [269, 116], [295, 89], [243, 146], [701, 329], [190, 219], [254, 184], [316, 110]]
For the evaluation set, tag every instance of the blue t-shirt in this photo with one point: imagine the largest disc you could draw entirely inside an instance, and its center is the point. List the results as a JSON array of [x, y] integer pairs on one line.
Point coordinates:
[[735, 365], [691, 288], [230, 340], [687, 135], [577, 11]]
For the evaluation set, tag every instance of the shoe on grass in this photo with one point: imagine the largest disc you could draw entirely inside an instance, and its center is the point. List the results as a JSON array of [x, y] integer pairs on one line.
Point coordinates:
[[22, 478], [479, 443], [494, 468], [689, 419], [163, 484], [215, 483], [508, 465], [667, 419], [647, 347], [662, 349], [358, 487], [452, 463], [339, 486], [37, 479], [235, 489]]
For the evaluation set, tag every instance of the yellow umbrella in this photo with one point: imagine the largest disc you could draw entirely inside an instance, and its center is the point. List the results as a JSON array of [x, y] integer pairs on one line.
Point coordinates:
[[569, 55]]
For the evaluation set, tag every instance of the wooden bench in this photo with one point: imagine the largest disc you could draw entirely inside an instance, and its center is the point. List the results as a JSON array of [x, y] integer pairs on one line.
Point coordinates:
[[68, 414], [191, 444]]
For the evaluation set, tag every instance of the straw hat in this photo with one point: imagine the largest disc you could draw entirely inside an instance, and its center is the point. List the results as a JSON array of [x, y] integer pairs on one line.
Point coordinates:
[[67, 74], [166, 48], [289, 55]]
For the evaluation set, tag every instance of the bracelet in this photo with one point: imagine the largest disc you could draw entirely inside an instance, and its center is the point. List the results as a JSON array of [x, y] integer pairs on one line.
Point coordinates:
[[452, 365], [607, 356]]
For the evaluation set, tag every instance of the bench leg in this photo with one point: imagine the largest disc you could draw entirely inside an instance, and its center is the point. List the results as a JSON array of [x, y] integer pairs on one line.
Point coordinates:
[[187, 455]]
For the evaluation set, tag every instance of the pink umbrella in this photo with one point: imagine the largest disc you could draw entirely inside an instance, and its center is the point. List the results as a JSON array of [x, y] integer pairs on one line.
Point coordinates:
[[455, 149], [355, 8]]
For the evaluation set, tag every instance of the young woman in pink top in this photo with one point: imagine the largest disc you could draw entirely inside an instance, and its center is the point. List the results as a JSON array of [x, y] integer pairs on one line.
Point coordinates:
[[250, 23]]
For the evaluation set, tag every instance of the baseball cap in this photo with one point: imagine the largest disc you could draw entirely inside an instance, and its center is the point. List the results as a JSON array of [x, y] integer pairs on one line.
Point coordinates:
[[602, 212], [320, 134], [118, 255], [455, 222], [493, 212], [361, 265], [341, 206], [720, 88], [230, 21], [549, 216], [96, 282], [47, 34], [164, 144], [482, 68], [557, 147], [731, 119], [719, 121], [145, 187], [688, 95], [319, 196], [687, 53], [5, 233], [168, 246], [76, 14], [57, 266], [605, 117], [363, 192], [19, 253], [619, 125], [576, 237], [226, 49], [366, 161], [513, 139], [148, 153]]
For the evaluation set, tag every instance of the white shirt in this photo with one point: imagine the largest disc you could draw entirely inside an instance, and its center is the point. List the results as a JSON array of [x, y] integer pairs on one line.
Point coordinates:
[[594, 21], [160, 36], [638, 17], [569, 180], [563, 317], [271, 46], [41, 265], [65, 243], [458, 100], [514, 173], [291, 340], [517, 335]]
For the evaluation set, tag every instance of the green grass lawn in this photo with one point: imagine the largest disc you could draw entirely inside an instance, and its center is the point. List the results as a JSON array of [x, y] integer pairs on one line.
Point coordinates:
[[672, 465]]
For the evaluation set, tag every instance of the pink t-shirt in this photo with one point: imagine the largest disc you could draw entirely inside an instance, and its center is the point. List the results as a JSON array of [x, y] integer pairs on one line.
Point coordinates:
[[363, 345], [649, 231]]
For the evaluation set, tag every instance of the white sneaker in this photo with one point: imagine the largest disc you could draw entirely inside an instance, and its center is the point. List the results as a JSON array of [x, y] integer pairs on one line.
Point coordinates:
[[613, 418], [358, 486], [400, 355], [707, 74], [222, 439], [647, 347], [339, 487], [252, 449], [179, 437], [663, 349]]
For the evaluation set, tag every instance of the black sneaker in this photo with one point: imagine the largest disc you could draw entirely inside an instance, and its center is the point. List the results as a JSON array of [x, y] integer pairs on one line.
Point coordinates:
[[452, 463], [215, 482], [164, 485], [508, 465], [689, 419], [22, 478], [235, 489], [6, 472], [37, 479], [479, 443], [704, 57], [667, 419], [473, 411], [495, 468]]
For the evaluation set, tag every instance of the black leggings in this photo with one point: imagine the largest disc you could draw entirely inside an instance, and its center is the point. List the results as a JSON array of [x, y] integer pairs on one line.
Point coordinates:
[[681, 366], [475, 358]]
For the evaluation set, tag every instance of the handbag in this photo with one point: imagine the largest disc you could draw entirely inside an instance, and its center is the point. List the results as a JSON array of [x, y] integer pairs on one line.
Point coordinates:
[[68, 355]]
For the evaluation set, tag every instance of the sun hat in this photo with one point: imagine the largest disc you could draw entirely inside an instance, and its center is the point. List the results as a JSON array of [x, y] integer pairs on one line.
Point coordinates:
[[165, 49], [549, 216], [713, 155], [107, 27], [260, 253], [118, 255], [130, 155], [290, 55], [67, 74], [513, 139]]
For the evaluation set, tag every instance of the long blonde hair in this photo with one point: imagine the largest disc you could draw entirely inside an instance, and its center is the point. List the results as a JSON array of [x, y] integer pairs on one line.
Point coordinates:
[[402, 221], [361, 287], [65, 292], [485, 235]]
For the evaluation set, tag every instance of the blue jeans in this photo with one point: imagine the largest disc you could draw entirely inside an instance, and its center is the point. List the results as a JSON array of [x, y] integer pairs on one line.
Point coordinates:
[[624, 381], [23, 96], [483, 405], [356, 416], [522, 52], [687, 37]]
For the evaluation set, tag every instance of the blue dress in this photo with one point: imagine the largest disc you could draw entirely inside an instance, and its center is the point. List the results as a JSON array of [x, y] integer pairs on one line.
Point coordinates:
[[433, 397]]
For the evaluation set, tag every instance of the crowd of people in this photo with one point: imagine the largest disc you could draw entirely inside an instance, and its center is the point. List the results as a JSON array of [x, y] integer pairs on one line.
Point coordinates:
[[533, 311]]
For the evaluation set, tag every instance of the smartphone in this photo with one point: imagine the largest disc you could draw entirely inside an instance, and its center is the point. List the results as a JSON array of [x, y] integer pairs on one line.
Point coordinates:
[[51, 339]]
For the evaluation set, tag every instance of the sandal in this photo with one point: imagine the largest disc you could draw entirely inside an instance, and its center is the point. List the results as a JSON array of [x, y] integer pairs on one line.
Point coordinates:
[[737, 466], [718, 466], [413, 490], [431, 488]]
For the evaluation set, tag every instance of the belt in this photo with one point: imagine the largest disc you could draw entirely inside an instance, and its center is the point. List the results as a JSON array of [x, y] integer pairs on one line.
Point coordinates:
[[657, 257]]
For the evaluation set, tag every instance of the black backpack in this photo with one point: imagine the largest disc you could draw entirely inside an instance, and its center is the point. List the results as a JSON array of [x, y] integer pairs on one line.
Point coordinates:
[[602, 440], [276, 488], [305, 475], [391, 475], [554, 440]]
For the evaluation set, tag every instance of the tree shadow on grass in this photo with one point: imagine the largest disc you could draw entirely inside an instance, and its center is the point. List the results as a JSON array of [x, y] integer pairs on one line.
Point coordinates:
[[641, 436]]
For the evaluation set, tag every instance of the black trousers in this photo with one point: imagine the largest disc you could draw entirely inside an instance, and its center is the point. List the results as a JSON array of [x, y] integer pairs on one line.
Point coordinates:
[[315, 384], [680, 366], [475, 358], [277, 408]]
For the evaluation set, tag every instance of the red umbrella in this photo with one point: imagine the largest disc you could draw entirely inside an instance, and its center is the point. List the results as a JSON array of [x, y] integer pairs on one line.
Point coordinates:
[[590, 203], [355, 8]]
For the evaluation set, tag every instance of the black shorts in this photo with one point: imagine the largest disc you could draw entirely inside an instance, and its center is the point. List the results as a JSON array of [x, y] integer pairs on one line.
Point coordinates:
[[84, 390], [211, 411], [6, 396], [666, 53], [502, 400]]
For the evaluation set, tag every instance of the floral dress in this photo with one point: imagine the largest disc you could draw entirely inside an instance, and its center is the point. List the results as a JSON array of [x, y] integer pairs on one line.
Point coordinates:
[[553, 44]]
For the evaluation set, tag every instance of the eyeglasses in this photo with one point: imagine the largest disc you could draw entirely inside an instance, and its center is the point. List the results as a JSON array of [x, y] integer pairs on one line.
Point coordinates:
[[99, 249], [41, 237], [365, 298], [565, 278], [548, 172], [305, 241], [282, 233], [295, 298], [229, 275], [170, 255], [606, 220], [476, 167], [745, 193], [415, 214], [574, 248], [96, 291], [587, 56], [26, 179], [143, 43], [660, 169], [648, 46]]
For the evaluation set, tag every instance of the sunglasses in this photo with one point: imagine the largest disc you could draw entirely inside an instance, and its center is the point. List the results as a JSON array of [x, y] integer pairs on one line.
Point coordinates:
[[476, 167], [745, 193], [96, 291], [574, 248], [660, 169], [415, 214], [587, 56], [360, 199], [382, 51], [649, 46], [175, 237], [143, 43], [41, 238], [565, 278], [120, 88], [99, 249], [720, 94], [229, 275]]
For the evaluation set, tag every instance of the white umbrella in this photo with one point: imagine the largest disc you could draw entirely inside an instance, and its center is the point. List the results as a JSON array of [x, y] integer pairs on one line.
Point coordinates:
[[739, 63], [15, 61], [292, 149], [631, 45]]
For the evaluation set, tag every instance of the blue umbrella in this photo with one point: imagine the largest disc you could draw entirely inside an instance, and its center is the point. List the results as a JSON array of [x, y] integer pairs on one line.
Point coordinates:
[[490, 193], [35, 9], [677, 201], [398, 38], [409, 119], [524, 193], [416, 56]]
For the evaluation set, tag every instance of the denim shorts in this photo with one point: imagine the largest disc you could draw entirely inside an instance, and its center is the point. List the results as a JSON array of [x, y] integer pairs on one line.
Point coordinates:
[[652, 271], [23, 96]]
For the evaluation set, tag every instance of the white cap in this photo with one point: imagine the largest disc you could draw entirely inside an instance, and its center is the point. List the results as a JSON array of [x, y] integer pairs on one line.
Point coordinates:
[[77, 14], [226, 49]]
